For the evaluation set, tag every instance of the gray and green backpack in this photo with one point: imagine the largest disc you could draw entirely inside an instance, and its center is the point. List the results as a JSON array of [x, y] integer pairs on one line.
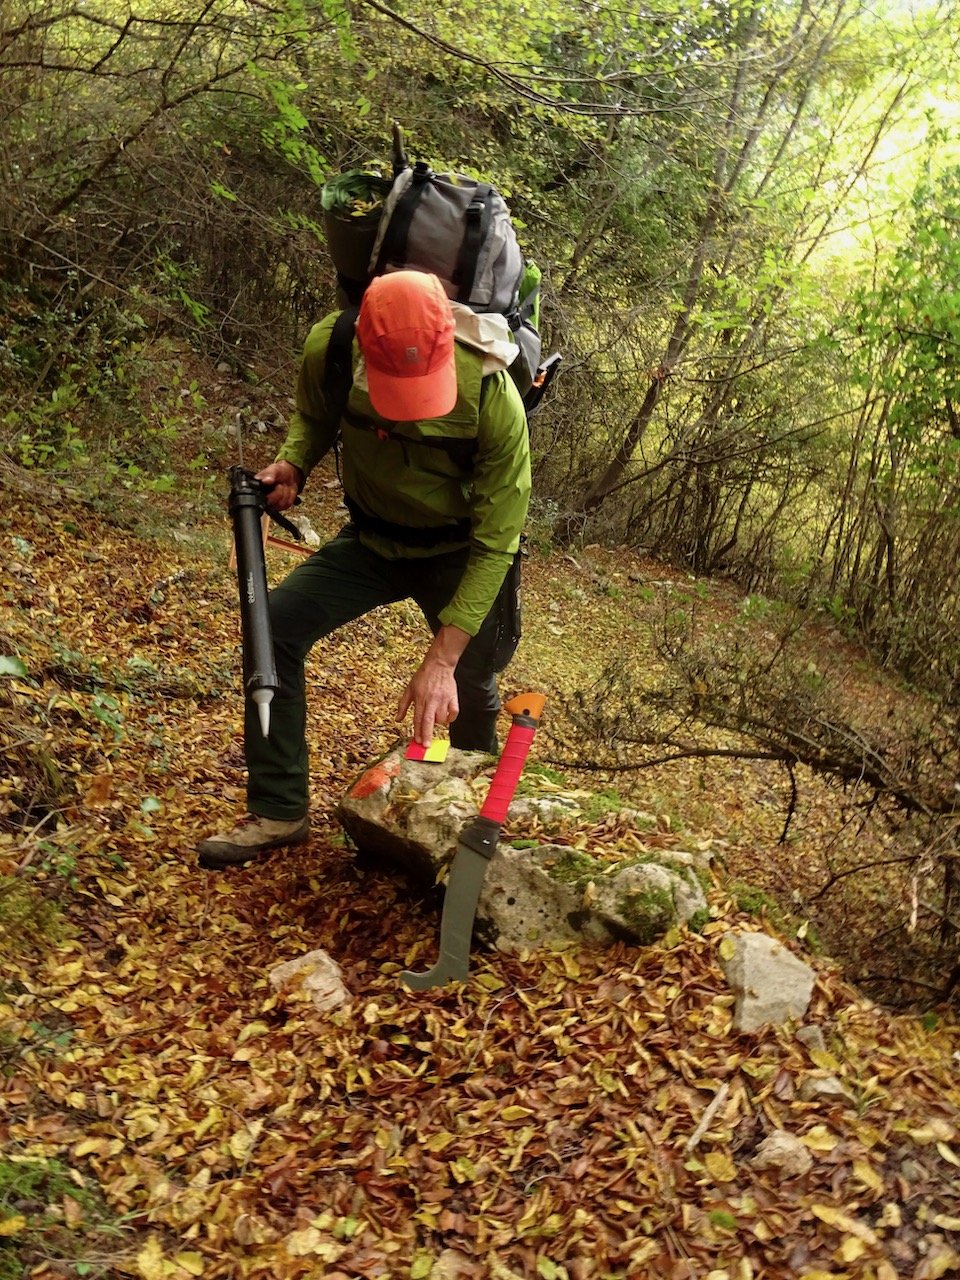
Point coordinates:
[[456, 227]]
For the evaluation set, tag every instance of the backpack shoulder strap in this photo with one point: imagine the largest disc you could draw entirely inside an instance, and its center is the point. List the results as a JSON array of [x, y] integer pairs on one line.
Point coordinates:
[[478, 217], [393, 247], [338, 363]]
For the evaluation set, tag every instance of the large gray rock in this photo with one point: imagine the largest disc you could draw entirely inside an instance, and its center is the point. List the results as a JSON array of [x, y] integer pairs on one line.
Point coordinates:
[[770, 983], [552, 894], [411, 815]]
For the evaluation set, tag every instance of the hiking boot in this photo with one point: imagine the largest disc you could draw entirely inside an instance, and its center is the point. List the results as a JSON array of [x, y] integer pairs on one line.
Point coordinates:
[[251, 836]]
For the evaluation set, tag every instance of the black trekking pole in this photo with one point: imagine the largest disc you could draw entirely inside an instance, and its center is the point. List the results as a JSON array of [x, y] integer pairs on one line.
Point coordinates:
[[247, 506]]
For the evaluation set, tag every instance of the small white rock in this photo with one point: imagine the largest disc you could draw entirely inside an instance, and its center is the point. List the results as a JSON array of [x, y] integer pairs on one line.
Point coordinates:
[[315, 973], [784, 1152]]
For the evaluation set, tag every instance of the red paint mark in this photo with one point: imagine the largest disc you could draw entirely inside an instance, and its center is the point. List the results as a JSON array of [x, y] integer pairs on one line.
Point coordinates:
[[377, 777]]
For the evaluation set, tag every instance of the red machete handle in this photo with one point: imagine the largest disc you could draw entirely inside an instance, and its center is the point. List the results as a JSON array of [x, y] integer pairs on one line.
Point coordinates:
[[526, 710]]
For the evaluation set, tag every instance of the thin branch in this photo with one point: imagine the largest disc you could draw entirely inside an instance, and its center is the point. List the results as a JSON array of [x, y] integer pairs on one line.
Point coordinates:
[[863, 866]]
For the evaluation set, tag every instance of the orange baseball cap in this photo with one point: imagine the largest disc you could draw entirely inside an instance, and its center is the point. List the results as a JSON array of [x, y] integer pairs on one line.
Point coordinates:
[[405, 330]]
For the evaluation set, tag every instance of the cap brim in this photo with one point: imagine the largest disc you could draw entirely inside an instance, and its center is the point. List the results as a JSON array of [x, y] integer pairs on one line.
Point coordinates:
[[410, 399]]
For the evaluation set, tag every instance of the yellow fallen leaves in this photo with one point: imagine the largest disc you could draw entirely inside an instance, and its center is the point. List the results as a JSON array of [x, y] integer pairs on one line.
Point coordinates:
[[241, 1143], [742, 1270], [859, 1240], [868, 1175], [252, 1029], [103, 1147], [819, 1138], [720, 1166], [311, 1241], [835, 1217], [509, 1114], [499, 1115], [935, 1130], [153, 1264], [939, 1264]]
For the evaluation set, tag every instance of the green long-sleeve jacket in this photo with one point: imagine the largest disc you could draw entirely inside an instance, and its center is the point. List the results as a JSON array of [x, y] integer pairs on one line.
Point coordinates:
[[478, 467]]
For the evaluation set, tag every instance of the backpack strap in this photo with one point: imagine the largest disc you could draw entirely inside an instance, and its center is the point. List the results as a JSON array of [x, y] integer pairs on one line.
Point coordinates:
[[478, 216], [394, 246], [528, 307], [337, 381], [338, 362], [408, 535]]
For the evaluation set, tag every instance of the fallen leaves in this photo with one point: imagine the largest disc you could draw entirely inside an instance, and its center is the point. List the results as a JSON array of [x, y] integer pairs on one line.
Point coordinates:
[[538, 1122]]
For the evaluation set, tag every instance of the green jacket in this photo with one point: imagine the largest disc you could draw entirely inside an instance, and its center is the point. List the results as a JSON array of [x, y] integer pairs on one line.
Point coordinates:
[[481, 471]]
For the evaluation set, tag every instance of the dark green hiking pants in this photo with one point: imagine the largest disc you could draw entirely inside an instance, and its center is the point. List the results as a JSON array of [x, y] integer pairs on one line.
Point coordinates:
[[340, 582]]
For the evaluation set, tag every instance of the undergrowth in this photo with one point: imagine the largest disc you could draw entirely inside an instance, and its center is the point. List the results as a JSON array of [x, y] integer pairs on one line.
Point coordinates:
[[49, 1211]]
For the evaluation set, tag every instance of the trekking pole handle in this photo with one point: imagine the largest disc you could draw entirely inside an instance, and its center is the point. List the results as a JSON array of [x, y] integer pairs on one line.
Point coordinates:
[[526, 710]]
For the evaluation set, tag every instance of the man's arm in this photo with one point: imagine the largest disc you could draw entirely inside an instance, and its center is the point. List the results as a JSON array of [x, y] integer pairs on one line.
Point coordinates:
[[499, 500], [432, 691], [313, 425]]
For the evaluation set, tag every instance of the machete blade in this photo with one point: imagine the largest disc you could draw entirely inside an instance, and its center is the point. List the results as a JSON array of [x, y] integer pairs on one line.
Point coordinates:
[[456, 924], [477, 845]]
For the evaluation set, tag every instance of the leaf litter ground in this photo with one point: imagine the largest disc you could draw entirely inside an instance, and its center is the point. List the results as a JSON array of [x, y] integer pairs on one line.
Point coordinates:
[[545, 1120]]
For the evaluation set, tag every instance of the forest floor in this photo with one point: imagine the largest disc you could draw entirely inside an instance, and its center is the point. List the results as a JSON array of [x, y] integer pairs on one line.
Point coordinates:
[[165, 1114]]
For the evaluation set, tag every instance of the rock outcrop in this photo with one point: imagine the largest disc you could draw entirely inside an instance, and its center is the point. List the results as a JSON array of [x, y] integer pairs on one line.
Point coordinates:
[[537, 892]]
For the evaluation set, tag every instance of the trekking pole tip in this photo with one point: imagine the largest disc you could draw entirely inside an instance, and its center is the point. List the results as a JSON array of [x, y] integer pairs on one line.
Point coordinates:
[[263, 698]]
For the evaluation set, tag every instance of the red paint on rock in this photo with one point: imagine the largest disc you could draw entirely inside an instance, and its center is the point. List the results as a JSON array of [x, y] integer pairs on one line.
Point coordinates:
[[376, 777]]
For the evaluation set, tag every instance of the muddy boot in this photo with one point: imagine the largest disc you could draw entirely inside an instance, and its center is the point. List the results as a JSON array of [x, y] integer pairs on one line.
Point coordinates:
[[251, 836]]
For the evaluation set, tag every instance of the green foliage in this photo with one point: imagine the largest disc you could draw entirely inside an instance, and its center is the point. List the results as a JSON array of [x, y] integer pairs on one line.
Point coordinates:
[[755, 902], [699, 920], [28, 919], [601, 803], [533, 773], [285, 131], [909, 326], [675, 171], [575, 868], [649, 913], [32, 1197]]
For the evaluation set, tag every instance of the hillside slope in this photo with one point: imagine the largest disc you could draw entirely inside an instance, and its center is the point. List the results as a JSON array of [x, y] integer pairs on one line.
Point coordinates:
[[164, 1114]]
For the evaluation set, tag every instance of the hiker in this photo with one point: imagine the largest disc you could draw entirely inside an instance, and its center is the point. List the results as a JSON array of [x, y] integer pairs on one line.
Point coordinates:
[[435, 463]]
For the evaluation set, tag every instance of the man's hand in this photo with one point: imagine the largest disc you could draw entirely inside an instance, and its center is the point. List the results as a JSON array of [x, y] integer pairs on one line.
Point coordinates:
[[433, 690], [283, 481]]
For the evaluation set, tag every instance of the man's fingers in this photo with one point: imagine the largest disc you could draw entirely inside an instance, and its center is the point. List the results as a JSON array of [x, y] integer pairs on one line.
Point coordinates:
[[434, 702], [282, 497], [431, 718], [424, 734], [282, 481]]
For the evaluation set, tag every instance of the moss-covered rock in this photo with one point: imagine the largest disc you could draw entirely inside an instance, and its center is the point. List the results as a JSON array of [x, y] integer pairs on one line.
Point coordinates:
[[536, 893]]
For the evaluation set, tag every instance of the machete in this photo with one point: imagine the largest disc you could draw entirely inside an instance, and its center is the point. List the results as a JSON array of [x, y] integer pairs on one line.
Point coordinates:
[[477, 844]]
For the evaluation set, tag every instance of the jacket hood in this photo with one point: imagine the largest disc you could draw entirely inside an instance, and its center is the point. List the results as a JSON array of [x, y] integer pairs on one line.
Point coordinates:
[[488, 333]]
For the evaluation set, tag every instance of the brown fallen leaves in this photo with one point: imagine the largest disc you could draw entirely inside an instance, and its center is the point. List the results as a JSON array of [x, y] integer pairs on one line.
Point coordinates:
[[562, 1115]]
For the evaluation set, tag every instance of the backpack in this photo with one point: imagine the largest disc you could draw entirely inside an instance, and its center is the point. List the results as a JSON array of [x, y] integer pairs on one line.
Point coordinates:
[[453, 226]]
